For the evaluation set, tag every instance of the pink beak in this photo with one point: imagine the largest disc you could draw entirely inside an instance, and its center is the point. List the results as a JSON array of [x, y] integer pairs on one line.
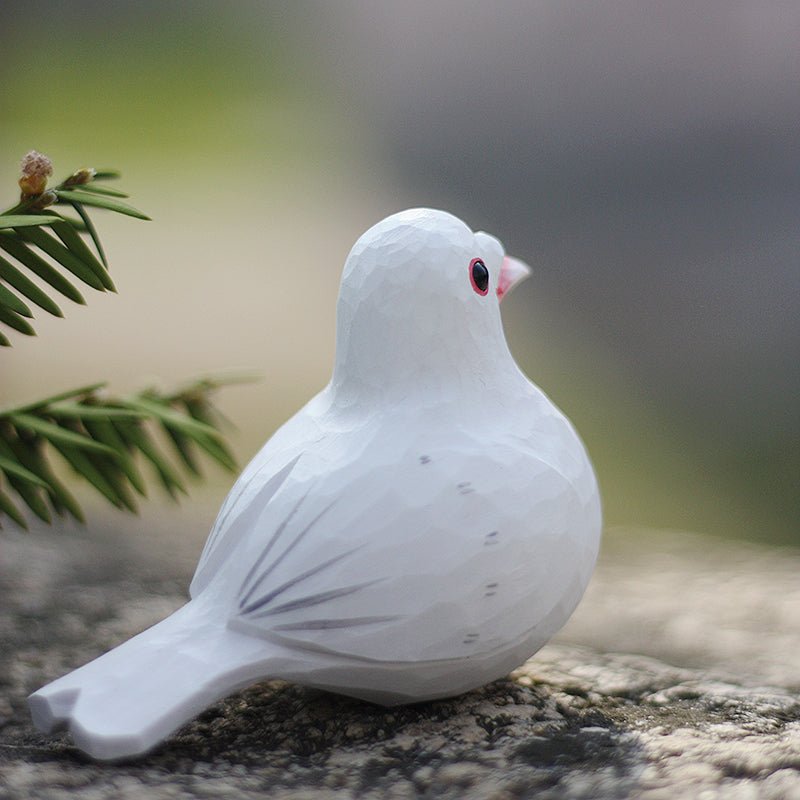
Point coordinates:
[[512, 272]]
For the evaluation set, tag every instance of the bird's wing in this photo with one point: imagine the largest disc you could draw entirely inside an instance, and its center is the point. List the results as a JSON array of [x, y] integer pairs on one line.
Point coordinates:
[[429, 553]]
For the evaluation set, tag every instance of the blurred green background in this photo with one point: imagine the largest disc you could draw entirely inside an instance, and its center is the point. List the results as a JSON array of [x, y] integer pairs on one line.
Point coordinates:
[[642, 157]]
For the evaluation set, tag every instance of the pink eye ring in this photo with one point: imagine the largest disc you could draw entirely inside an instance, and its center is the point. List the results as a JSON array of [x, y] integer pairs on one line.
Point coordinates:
[[479, 276]]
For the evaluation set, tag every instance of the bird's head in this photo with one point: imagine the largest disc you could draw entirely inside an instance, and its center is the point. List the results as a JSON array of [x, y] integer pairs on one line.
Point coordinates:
[[419, 305]]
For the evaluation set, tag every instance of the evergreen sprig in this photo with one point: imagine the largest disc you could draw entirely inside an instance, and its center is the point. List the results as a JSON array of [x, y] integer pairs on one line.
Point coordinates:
[[36, 240], [103, 439]]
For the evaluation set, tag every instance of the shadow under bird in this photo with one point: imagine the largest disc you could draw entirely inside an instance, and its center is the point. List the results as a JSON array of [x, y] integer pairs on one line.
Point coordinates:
[[421, 527]]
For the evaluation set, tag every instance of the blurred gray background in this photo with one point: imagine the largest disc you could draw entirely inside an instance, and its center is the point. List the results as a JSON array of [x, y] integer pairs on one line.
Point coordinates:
[[643, 157]]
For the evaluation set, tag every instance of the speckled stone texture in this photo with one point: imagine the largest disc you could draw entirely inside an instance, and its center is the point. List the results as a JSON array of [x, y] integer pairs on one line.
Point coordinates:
[[599, 713]]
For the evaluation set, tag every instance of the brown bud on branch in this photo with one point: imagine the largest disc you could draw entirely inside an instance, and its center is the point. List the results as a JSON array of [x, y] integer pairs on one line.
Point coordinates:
[[81, 176], [36, 169]]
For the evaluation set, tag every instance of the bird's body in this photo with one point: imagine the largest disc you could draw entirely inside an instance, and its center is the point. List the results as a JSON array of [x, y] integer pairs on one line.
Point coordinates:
[[422, 526]]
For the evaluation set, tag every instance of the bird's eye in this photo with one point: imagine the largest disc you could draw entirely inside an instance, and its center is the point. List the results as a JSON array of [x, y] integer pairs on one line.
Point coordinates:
[[479, 276]]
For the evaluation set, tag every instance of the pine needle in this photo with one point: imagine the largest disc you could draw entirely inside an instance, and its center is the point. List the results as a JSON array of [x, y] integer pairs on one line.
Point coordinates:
[[103, 440]]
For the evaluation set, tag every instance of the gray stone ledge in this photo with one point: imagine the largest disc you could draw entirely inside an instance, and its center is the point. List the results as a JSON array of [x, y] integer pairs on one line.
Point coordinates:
[[578, 721]]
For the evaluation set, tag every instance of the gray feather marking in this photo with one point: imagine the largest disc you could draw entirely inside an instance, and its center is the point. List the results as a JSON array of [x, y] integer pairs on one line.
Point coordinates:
[[325, 624], [285, 553], [315, 599], [262, 601], [265, 552]]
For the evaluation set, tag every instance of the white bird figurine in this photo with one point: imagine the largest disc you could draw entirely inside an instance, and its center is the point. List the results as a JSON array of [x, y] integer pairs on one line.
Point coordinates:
[[421, 527]]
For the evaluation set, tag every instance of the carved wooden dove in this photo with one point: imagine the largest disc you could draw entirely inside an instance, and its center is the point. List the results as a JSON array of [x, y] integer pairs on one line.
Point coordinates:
[[421, 527]]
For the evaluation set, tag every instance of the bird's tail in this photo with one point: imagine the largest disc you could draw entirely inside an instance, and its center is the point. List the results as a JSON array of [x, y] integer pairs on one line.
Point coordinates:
[[123, 703]]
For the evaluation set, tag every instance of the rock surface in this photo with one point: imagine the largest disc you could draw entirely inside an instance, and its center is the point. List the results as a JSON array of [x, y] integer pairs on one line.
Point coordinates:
[[585, 718]]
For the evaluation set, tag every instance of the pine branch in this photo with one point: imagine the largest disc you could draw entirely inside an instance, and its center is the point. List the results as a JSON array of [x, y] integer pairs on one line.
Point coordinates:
[[27, 246], [104, 440]]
